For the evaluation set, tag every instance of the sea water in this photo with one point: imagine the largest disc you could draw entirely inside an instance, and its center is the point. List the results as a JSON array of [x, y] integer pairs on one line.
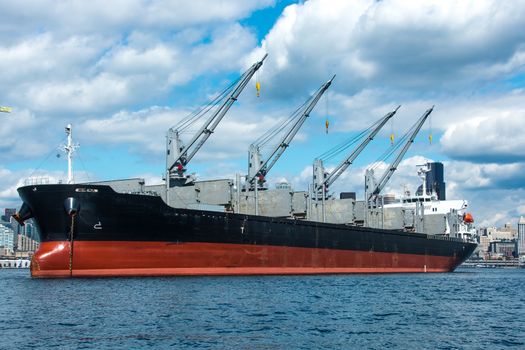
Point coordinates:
[[467, 309]]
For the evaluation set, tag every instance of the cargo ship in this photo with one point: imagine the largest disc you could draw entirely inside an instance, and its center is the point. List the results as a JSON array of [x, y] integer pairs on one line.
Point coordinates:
[[218, 227], [91, 231]]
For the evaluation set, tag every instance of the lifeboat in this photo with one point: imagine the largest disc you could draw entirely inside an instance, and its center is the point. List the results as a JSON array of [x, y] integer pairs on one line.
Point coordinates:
[[468, 218]]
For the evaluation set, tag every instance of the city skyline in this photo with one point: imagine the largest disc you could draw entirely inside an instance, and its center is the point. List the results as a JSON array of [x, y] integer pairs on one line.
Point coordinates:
[[123, 73]]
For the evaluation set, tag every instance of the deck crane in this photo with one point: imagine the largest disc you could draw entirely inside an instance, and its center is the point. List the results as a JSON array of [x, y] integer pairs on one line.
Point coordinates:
[[373, 188], [257, 168], [322, 180], [179, 155]]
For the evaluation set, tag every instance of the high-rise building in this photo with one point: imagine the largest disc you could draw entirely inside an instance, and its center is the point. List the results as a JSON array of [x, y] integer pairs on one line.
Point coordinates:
[[7, 214], [521, 236], [435, 181]]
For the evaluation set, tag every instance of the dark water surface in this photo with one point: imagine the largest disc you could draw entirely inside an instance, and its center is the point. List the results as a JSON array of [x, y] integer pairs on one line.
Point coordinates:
[[467, 309]]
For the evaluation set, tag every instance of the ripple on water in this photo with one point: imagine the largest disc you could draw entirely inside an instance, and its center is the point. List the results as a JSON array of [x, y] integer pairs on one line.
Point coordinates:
[[474, 308]]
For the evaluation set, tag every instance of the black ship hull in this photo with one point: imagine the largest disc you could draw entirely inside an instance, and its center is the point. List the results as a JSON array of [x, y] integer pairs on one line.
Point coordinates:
[[90, 230]]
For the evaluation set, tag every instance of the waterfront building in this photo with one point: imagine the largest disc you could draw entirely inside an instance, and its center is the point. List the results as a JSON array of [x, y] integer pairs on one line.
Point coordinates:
[[500, 242], [7, 239], [521, 236], [506, 232], [484, 244], [26, 245], [499, 249], [16, 240]]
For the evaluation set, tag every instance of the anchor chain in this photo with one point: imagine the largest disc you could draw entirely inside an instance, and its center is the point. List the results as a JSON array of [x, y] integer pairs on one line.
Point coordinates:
[[71, 244]]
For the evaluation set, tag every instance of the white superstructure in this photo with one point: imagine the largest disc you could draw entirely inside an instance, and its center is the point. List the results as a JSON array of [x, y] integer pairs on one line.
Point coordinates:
[[458, 222]]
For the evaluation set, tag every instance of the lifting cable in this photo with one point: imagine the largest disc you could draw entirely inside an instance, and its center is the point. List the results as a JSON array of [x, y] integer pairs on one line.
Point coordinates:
[[327, 122], [392, 136], [430, 129], [257, 84]]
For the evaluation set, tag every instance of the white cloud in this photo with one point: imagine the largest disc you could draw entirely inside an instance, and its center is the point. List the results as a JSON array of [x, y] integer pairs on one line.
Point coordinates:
[[497, 217], [130, 60], [482, 128], [144, 128], [22, 18], [24, 136], [80, 62], [492, 131], [79, 95], [411, 46], [177, 61], [87, 74]]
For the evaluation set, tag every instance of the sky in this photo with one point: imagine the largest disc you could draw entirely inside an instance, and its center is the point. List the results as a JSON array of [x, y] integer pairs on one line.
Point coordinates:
[[124, 72]]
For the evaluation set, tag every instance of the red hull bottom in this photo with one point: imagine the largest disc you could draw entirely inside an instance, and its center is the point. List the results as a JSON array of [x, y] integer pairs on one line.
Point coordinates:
[[98, 259]]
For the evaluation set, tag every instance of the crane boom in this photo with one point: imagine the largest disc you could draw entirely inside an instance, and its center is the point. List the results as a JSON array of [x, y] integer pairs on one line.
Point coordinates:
[[264, 167], [393, 167], [185, 153], [330, 179]]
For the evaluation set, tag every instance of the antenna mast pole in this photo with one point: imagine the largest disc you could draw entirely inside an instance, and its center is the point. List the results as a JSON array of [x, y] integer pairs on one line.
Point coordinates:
[[69, 149]]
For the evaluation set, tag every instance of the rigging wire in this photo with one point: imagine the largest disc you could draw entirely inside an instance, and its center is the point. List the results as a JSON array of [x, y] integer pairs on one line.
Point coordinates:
[[343, 146], [84, 167], [278, 128], [47, 157], [390, 151], [201, 111]]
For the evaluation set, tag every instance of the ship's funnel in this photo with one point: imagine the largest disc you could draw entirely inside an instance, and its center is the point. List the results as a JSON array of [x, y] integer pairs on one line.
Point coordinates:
[[23, 215], [71, 206]]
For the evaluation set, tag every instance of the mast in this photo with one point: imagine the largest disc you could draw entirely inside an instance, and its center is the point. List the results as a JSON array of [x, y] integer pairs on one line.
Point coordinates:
[[257, 169], [70, 148], [393, 167]]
